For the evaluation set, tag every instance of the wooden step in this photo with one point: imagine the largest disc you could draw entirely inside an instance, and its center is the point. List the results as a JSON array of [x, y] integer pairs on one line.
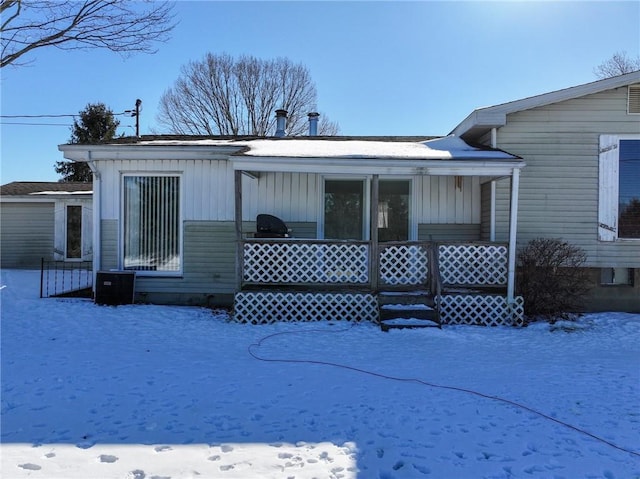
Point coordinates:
[[407, 309], [408, 323]]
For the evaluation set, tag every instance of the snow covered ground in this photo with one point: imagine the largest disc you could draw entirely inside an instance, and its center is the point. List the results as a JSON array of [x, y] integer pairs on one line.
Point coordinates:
[[146, 392]]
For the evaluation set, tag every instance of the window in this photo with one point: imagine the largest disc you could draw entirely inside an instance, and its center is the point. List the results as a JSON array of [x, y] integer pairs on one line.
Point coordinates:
[[629, 189], [393, 210], [619, 194], [633, 105], [151, 211], [616, 276], [74, 232], [344, 209]]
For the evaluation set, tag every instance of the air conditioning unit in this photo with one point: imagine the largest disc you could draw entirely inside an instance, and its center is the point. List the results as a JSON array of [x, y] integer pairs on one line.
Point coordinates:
[[115, 287]]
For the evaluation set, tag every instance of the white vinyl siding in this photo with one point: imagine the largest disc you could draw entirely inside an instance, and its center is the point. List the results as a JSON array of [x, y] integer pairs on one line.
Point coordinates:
[[559, 188]]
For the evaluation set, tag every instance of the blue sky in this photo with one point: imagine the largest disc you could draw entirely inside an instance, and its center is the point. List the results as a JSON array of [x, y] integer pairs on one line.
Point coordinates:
[[380, 68]]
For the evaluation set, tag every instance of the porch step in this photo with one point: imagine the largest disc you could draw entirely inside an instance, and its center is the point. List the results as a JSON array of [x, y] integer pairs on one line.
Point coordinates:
[[403, 309]]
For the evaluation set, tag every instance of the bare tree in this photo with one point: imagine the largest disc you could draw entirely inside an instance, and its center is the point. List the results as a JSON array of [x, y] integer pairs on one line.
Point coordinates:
[[121, 26], [618, 64], [220, 95]]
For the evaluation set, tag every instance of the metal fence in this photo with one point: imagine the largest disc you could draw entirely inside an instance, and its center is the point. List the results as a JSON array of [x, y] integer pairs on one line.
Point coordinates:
[[61, 278]]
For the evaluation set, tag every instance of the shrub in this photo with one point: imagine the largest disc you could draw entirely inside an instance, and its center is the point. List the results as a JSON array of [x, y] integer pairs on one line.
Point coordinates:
[[551, 278]]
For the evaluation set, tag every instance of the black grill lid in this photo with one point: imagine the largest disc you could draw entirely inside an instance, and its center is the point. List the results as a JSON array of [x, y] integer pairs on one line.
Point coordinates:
[[270, 224]]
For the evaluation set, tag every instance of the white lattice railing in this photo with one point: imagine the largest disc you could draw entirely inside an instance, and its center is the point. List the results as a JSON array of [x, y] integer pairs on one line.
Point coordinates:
[[305, 262], [481, 309], [404, 264], [265, 307], [473, 264]]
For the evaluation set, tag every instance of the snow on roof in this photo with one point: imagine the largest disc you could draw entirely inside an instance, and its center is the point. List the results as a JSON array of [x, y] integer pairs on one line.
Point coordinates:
[[24, 188], [446, 148]]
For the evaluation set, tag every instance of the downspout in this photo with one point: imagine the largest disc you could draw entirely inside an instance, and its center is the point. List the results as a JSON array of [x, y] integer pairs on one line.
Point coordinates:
[[492, 220], [97, 201], [513, 226]]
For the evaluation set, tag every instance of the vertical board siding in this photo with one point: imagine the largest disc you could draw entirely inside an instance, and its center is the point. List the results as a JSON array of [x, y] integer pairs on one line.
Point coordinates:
[[289, 196], [448, 232], [208, 192], [559, 186], [207, 187], [26, 234]]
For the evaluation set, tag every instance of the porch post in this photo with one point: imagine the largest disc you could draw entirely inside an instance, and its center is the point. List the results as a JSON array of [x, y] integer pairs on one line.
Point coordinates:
[[237, 180], [373, 236], [513, 226], [492, 219]]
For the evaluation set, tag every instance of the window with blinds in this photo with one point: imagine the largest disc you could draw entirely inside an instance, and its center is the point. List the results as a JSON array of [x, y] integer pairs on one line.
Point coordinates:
[[152, 223]]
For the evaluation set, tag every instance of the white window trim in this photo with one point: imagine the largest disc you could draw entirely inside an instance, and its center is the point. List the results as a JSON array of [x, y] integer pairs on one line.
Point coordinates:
[[629, 94], [121, 238], [366, 202], [413, 225], [608, 184], [60, 229]]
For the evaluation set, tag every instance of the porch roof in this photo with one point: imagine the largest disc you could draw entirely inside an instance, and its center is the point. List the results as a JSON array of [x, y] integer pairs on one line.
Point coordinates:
[[386, 156], [442, 156]]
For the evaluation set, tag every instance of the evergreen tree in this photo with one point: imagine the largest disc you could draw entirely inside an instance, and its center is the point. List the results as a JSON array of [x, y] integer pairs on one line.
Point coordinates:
[[96, 124]]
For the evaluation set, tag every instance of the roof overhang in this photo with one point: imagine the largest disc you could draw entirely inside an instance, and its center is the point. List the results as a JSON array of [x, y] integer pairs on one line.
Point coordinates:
[[442, 156], [483, 119], [156, 151], [377, 166]]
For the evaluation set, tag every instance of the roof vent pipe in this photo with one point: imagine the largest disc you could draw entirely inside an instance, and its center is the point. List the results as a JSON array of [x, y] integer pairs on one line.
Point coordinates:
[[313, 123], [281, 123]]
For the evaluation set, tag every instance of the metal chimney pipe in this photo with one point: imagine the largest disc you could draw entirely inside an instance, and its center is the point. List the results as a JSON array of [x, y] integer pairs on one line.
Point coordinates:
[[313, 123], [281, 123]]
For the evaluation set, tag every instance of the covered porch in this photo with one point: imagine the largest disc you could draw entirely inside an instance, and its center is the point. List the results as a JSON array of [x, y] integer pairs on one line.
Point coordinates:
[[384, 273]]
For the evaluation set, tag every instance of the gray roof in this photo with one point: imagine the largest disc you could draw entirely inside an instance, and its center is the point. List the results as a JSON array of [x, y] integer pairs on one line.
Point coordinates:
[[24, 188]]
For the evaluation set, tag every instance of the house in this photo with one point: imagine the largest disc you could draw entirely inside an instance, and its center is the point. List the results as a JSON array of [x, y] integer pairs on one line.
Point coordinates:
[[582, 181], [368, 216], [45, 220]]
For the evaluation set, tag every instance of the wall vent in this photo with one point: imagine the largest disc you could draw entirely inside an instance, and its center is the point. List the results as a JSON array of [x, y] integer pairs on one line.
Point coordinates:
[[634, 99]]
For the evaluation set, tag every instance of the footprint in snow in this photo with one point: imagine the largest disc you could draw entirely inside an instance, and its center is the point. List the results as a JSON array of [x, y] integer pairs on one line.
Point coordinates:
[[137, 474], [107, 458], [226, 448], [162, 448], [30, 467]]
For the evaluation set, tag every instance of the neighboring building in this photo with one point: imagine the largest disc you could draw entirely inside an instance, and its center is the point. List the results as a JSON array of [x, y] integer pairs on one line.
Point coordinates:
[[45, 220], [582, 181], [366, 214]]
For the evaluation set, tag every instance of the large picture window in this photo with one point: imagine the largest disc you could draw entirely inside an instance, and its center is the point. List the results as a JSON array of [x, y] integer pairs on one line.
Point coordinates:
[[152, 223]]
